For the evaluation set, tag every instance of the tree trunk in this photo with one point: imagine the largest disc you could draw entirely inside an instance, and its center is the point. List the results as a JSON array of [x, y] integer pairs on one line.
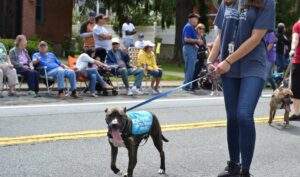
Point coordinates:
[[183, 8]]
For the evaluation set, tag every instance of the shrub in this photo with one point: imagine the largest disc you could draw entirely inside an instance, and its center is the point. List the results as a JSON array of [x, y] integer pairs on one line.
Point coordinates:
[[32, 45]]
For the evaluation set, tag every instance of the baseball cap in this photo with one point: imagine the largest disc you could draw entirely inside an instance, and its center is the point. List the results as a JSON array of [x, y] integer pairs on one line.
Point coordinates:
[[92, 14], [148, 44], [115, 40]]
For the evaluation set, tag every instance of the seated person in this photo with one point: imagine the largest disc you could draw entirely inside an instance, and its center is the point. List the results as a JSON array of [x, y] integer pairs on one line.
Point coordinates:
[[55, 68], [22, 62], [82, 65], [140, 42], [7, 70], [119, 63], [146, 59]]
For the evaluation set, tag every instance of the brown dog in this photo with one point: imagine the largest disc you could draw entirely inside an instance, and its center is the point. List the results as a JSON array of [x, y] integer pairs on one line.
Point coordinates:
[[281, 99], [128, 129]]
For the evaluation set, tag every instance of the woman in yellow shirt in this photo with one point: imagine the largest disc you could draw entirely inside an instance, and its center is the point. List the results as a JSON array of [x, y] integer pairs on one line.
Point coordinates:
[[146, 60]]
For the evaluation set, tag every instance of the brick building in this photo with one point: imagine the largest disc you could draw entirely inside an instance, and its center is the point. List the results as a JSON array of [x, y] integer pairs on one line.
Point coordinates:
[[48, 19]]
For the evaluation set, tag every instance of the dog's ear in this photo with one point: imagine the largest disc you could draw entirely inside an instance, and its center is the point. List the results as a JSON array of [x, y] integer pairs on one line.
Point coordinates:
[[107, 110], [125, 109]]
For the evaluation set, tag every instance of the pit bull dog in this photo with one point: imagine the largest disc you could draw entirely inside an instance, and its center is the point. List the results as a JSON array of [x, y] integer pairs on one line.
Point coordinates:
[[128, 129], [281, 99]]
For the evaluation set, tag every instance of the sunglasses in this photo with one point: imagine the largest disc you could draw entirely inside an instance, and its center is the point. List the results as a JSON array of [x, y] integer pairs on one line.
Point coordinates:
[[115, 43]]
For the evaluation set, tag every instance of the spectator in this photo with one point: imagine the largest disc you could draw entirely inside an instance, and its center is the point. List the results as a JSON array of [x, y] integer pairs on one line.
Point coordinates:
[[22, 62], [201, 54], [270, 40], [190, 41], [128, 31], [86, 32], [82, 65], [7, 70], [146, 60], [243, 69], [140, 42], [295, 73], [55, 68], [281, 46], [119, 62], [101, 35]]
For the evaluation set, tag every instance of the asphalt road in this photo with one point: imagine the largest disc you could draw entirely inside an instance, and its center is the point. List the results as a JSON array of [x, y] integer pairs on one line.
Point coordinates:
[[190, 153]]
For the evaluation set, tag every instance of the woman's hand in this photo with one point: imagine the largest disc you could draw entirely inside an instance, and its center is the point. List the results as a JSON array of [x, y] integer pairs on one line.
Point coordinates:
[[222, 67]]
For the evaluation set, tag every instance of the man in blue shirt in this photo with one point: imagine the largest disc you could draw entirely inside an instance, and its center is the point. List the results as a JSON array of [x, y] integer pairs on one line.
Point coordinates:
[[55, 69], [189, 49]]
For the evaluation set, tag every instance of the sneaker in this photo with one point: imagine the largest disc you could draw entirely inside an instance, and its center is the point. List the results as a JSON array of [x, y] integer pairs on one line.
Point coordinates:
[[74, 95], [153, 92], [31, 93], [13, 94], [245, 173], [94, 95], [129, 92], [137, 91], [294, 117], [232, 170]]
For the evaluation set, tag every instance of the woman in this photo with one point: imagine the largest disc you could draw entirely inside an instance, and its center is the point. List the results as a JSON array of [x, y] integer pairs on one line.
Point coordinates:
[[7, 70], [295, 73], [281, 46], [242, 24], [23, 64], [146, 59], [201, 54]]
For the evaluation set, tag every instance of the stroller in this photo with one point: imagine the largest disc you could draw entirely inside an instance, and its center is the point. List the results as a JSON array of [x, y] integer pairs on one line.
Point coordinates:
[[208, 81], [105, 73]]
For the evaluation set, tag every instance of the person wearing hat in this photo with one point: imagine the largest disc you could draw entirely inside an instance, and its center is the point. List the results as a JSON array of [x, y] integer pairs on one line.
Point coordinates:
[[190, 41], [119, 62], [101, 35], [86, 32], [146, 60], [55, 68], [128, 31], [7, 70], [140, 42]]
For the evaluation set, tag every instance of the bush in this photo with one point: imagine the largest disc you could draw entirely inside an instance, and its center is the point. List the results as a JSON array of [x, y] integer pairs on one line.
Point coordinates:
[[32, 45]]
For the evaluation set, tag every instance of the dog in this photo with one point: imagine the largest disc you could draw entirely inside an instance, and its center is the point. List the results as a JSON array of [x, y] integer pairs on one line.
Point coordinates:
[[281, 99], [128, 129]]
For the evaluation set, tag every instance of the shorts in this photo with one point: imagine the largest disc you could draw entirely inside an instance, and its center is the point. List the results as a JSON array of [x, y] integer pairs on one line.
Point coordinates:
[[155, 73]]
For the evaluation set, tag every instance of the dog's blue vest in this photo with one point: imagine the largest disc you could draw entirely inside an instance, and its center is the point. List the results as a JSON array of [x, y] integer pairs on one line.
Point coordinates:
[[141, 122]]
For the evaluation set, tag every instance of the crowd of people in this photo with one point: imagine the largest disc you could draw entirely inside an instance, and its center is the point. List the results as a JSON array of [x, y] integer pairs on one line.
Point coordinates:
[[101, 53]]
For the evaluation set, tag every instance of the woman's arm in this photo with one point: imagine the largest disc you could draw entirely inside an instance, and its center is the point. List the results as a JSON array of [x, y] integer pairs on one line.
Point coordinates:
[[214, 53], [247, 46], [295, 43]]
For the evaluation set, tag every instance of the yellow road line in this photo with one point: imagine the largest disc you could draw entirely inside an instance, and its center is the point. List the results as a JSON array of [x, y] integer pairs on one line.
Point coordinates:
[[9, 141]]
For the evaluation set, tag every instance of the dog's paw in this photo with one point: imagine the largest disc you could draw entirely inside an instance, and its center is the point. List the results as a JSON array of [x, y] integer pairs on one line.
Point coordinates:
[[161, 171], [120, 173]]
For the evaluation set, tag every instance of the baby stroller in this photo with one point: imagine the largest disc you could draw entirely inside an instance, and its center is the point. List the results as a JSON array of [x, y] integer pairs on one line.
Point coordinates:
[[208, 81], [100, 54]]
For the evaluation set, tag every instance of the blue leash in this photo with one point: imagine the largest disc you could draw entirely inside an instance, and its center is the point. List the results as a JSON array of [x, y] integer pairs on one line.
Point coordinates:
[[163, 94]]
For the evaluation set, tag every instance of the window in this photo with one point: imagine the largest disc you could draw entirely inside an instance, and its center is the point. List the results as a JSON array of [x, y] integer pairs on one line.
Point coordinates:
[[39, 16]]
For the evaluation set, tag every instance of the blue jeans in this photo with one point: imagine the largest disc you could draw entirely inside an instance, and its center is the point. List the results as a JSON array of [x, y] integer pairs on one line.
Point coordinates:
[[269, 74], [138, 73], [94, 77], [241, 96], [190, 59], [60, 74]]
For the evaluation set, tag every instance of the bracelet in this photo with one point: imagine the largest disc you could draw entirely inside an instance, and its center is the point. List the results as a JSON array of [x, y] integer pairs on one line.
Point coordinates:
[[227, 62]]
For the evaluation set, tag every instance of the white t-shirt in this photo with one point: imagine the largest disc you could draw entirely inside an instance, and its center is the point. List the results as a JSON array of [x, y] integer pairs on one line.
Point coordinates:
[[98, 30], [139, 44], [83, 61], [127, 27]]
